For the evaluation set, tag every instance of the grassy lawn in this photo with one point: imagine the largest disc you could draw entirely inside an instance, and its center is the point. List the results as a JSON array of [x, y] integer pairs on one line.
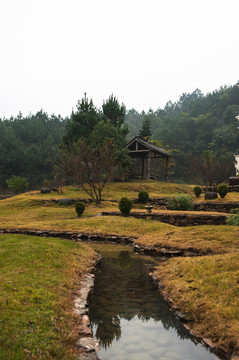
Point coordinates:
[[37, 280], [205, 287]]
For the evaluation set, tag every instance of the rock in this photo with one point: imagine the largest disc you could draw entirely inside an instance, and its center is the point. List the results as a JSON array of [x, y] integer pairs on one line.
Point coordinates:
[[88, 356], [182, 316], [45, 190], [88, 344], [210, 195], [65, 202]]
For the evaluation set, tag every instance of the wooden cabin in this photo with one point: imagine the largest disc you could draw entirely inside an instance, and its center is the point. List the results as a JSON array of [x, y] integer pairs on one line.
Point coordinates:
[[148, 158]]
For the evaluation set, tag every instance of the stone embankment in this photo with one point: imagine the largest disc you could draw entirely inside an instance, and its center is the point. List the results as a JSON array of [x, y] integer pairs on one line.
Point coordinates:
[[177, 219], [219, 350], [87, 344]]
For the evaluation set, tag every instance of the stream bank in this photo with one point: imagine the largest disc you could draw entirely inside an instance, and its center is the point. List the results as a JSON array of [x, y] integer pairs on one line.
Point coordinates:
[[89, 237]]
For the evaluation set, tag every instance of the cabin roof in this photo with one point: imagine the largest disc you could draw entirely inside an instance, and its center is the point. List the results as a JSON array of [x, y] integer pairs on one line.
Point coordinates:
[[144, 146]]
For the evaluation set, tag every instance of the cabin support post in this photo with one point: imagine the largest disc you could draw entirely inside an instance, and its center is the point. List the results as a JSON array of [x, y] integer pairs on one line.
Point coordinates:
[[142, 167], [149, 165], [166, 170]]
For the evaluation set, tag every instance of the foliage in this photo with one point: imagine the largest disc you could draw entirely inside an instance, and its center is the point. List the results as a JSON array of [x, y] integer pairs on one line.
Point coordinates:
[[145, 131], [197, 190], [222, 189], [81, 122], [106, 131], [28, 146], [90, 167], [125, 205], [235, 211], [143, 196], [180, 202], [115, 112], [233, 220], [195, 124], [79, 207], [17, 184]]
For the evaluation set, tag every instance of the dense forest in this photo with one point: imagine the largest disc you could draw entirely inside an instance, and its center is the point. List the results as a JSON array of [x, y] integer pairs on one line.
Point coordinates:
[[28, 145], [200, 130]]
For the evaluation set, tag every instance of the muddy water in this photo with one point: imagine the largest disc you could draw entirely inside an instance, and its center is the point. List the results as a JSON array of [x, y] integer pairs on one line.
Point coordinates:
[[129, 316]]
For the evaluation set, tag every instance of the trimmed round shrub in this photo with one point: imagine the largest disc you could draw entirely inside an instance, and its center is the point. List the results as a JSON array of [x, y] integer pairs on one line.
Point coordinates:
[[181, 202], [143, 196], [80, 208], [197, 190], [125, 205], [222, 189]]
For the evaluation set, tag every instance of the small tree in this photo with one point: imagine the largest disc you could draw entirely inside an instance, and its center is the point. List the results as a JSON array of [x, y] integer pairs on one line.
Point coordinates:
[[222, 189], [145, 131], [17, 183], [90, 167], [143, 196], [79, 208], [125, 205], [197, 190]]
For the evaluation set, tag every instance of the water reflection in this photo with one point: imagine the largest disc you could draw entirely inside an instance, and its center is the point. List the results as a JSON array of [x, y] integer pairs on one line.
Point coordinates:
[[124, 291]]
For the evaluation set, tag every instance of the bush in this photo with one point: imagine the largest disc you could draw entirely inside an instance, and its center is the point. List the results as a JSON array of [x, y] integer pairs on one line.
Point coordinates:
[[235, 211], [143, 196], [17, 183], [222, 189], [180, 202], [80, 208], [233, 220], [197, 190], [125, 206]]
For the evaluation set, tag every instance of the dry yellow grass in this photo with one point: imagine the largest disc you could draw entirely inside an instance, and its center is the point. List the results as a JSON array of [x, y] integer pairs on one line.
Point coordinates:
[[211, 298], [207, 289]]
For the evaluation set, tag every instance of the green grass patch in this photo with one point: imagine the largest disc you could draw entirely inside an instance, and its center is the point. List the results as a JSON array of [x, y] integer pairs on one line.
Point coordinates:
[[207, 290], [37, 279]]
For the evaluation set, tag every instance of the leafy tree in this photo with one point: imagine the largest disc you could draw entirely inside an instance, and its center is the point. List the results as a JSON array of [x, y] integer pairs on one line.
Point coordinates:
[[17, 184], [90, 167]]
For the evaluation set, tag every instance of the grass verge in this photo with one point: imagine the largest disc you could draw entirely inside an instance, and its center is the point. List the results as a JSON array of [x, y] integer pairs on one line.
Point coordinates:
[[37, 280], [207, 290]]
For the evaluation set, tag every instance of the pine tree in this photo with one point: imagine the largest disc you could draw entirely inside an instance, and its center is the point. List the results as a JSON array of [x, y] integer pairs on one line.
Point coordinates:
[[145, 131]]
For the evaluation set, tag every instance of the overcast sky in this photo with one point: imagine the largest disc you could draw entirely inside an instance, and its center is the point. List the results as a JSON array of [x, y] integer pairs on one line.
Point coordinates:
[[145, 52]]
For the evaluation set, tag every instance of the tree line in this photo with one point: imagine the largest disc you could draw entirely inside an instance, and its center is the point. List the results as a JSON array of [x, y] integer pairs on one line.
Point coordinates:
[[201, 131]]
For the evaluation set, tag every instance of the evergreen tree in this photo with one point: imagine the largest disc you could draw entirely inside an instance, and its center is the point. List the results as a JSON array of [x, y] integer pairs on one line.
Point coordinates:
[[82, 121], [145, 131]]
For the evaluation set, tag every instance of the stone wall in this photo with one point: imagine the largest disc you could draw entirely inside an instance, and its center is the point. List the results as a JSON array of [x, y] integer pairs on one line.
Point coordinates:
[[185, 219], [216, 206]]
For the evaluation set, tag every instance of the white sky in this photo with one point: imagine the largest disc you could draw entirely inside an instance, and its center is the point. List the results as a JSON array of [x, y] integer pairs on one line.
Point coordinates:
[[145, 52]]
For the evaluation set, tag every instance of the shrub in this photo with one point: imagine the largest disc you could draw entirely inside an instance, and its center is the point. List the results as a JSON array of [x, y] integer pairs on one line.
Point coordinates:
[[233, 220], [222, 189], [80, 208], [125, 206], [143, 196], [235, 211], [180, 202], [197, 190], [17, 183]]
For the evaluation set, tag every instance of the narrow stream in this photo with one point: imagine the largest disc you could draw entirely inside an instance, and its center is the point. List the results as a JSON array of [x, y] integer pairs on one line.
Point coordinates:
[[129, 316]]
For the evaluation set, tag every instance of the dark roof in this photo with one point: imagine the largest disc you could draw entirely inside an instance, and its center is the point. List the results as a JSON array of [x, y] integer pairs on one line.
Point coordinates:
[[147, 146]]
